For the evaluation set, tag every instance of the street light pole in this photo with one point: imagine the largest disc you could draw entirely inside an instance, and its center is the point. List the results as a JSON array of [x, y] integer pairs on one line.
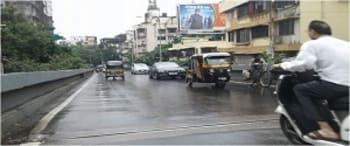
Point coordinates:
[[272, 31], [160, 42], [132, 53]]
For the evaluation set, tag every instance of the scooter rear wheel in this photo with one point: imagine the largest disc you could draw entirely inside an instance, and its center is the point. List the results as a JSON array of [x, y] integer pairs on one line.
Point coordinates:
[[289, 132]]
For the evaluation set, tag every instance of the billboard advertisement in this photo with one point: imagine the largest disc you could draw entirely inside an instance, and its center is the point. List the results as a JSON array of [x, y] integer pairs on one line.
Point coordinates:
[[197, 17]]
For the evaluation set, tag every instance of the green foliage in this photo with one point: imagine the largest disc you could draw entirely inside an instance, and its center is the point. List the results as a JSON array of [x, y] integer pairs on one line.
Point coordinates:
[[277, 58], [69, 62], [182, 62], [30, 47], [22, 39]]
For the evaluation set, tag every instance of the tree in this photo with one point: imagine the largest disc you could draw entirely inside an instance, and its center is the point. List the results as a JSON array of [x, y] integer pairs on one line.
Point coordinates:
[[22, 39], [30, 47]]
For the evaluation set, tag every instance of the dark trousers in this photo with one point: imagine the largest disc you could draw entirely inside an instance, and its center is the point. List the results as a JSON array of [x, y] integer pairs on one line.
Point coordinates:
[[309, 93]]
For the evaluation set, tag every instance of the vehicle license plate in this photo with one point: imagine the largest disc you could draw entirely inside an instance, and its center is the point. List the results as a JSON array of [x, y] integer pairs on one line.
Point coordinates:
[[172, 73], [222, 78]]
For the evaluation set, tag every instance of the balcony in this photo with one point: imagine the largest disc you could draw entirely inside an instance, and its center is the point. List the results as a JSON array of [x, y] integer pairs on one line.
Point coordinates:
[[258, 19], [289, 12]]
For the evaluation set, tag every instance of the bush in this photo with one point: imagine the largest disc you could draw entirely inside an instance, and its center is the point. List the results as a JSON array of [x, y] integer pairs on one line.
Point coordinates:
[[277, 58], [27, 47]]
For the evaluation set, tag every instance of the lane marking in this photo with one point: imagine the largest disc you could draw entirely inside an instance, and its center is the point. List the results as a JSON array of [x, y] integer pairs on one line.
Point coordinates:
[[35, 134], [180, 128], [171, 132]]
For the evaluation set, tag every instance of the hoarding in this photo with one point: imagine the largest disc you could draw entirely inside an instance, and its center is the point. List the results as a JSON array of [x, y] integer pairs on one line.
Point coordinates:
[[200, 17]]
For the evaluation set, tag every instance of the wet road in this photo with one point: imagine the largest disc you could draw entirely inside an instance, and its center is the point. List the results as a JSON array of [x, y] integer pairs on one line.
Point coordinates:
[[143, 111]]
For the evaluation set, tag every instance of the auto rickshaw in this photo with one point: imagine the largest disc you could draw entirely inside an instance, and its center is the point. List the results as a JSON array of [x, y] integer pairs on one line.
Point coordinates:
[[209, 68], [114, 68]]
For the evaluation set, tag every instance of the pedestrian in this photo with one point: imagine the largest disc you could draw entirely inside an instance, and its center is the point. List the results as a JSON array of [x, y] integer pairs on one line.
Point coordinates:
[[329, 57]]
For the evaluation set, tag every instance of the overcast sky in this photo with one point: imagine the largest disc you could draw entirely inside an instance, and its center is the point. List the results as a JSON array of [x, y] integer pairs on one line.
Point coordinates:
[[105, 18]]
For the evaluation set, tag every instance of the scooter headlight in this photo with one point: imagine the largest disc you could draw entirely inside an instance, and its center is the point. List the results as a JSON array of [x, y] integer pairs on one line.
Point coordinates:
[[228, 70], [211, 70]]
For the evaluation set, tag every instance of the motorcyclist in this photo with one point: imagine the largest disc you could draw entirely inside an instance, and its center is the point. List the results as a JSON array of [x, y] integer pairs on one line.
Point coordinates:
[[329, 57], [256, 68]]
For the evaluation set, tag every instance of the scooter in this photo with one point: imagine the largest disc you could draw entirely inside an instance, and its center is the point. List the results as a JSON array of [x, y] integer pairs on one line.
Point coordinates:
[[294, 123]]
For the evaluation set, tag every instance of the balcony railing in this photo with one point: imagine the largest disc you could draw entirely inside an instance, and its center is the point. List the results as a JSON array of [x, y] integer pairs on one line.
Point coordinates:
[[289, 12], [255, 20]]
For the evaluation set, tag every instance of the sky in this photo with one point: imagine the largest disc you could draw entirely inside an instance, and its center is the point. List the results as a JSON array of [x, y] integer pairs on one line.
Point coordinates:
[[105, 18]]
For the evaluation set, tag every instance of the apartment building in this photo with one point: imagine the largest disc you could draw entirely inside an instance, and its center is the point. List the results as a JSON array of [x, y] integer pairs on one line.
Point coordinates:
[[254, 26], [90, 41], [38, 12], [156, 29]]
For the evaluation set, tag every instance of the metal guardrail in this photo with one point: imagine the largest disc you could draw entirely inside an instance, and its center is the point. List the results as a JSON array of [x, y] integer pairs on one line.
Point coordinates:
[[13, 81]]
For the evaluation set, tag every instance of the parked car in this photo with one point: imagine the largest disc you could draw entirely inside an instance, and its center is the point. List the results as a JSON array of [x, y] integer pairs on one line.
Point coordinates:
[[166, 69], [139, 68]]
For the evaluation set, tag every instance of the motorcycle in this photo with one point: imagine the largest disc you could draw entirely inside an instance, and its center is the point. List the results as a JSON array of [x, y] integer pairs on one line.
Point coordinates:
[[294, 123], [254, 74]]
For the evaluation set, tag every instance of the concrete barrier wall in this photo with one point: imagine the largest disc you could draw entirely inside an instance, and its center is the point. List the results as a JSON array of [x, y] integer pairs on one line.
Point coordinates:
[[13, 81], [19, 88], [25, 97]]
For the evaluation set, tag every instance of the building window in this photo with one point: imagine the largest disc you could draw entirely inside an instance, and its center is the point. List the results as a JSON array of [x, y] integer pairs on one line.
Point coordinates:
[[171, 30], [260, 31], [229, 16], [286, 27], [261, 6], [243, 10], [161, 38], [243, 35], [161, 31], [231, 36], [283, 3]]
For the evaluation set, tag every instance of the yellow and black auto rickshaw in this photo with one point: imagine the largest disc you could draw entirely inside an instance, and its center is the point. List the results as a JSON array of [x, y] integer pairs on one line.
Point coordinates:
[[209, 68], [114, 68]]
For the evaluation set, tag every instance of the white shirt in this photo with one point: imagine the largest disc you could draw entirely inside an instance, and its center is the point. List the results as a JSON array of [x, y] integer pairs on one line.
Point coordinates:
[[327, 55]]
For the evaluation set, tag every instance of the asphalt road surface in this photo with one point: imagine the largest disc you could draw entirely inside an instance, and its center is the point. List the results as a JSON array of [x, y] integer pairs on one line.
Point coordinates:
[[144, 111]]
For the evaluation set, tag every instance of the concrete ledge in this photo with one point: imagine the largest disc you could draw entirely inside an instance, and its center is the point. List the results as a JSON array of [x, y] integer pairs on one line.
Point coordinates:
[[23, 107], [13, 81], [34, 84]]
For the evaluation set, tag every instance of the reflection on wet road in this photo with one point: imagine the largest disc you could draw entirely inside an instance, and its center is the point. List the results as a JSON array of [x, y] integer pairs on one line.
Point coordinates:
[[140, 110]]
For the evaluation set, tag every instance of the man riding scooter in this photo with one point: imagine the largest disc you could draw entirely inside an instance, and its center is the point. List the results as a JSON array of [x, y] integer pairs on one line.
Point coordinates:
[[329, 57], [256, 68]]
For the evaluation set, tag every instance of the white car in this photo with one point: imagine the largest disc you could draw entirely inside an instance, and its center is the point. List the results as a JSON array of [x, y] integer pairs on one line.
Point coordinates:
[[139, 68]]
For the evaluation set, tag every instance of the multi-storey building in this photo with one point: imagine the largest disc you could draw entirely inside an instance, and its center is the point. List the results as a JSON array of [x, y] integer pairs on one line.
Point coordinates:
[[90, 41], [82, 40], [254, 26], [157, 29], [39, 11]]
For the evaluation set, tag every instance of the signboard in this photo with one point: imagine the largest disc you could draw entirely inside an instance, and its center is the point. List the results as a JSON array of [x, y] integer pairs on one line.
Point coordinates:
[[195, 18]]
